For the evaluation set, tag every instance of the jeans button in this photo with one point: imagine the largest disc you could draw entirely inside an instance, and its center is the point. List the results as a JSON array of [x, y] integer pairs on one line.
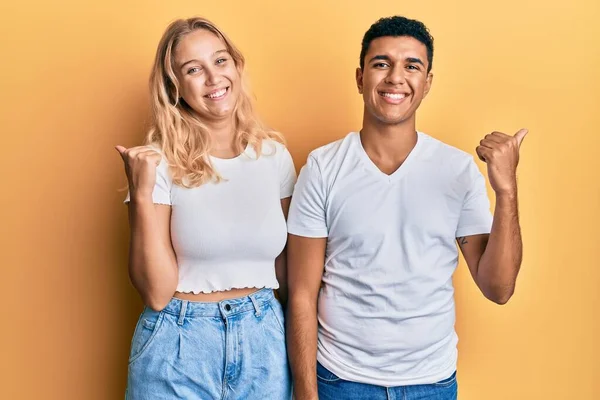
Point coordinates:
[[227, 307]]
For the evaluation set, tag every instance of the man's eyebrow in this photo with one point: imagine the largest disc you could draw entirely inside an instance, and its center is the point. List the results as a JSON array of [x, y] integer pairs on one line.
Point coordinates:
[[380, 57], [414, 60]]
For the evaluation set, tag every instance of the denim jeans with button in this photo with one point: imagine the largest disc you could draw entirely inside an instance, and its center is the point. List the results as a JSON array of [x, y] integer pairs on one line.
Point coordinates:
[[233, 350], [331, 387]]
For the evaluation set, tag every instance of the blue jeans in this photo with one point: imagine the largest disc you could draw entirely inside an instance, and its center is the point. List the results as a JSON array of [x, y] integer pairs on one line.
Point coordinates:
[[332, 387], [233, 349]]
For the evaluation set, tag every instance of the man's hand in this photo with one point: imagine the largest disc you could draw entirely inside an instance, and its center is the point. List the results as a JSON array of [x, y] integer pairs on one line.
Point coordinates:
[[501, 154]]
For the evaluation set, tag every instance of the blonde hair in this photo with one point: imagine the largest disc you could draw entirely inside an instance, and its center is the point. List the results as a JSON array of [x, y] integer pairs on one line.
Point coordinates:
[[177, 130]]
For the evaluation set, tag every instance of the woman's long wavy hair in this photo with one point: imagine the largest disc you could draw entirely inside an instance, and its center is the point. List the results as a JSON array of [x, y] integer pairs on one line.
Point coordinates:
[[177, 130]]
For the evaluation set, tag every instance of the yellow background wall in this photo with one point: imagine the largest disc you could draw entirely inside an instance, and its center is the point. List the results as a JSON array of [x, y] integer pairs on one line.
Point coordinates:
[[73, 83]]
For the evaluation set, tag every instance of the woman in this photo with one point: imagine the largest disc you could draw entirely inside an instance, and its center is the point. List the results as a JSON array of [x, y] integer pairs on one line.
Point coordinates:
[[208, 198]]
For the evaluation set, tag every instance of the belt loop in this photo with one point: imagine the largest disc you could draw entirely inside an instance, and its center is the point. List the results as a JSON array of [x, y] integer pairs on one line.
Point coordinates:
[[180, 344], [255, 304], [184, 304]]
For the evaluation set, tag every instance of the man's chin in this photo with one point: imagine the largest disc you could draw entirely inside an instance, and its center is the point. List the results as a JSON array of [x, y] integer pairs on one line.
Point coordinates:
[[392, 120]]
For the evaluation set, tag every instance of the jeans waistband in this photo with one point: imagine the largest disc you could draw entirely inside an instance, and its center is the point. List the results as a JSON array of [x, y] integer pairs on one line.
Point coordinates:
[[221, 309]]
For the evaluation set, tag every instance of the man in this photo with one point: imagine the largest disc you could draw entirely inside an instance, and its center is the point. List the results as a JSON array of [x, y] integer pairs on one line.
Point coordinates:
[[373, 224]]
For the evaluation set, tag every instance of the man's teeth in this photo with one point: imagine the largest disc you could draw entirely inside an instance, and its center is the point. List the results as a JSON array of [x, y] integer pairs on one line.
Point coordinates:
[[395, 96], [217, 94]]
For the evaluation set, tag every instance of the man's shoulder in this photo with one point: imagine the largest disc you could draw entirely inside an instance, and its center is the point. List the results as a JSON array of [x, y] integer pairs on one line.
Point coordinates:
[[334, 150], [444, 152]]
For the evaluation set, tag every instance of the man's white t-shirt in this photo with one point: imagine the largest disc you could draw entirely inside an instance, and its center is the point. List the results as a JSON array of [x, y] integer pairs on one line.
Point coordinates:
[[386, 306]]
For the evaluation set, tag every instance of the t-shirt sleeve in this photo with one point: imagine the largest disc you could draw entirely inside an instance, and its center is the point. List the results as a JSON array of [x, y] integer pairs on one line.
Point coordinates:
[[475, 216], [287, 174], [307, 211], [162, 188]]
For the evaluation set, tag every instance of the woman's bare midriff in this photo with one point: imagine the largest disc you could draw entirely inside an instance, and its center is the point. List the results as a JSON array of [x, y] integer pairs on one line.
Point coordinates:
[[216, 296]]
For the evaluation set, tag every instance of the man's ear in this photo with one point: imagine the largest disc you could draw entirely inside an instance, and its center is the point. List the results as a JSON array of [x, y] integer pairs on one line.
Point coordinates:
[[359, 80], [428, 84]]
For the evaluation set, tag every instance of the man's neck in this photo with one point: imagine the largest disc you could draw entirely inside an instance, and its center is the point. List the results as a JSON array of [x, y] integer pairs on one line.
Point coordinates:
[[388, 145]]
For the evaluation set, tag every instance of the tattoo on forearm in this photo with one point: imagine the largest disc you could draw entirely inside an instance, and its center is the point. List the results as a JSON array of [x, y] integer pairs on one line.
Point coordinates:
[[462, 240]]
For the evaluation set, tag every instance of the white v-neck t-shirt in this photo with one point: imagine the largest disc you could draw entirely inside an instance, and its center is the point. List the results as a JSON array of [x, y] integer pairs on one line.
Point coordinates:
[[386, 306]]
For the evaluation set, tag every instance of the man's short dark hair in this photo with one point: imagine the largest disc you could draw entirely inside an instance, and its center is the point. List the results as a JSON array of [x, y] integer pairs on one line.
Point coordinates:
[[398, 26]]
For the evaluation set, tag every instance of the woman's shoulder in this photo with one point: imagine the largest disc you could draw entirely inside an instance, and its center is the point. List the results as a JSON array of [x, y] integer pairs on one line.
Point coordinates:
[[270, 150], [273, 145]]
